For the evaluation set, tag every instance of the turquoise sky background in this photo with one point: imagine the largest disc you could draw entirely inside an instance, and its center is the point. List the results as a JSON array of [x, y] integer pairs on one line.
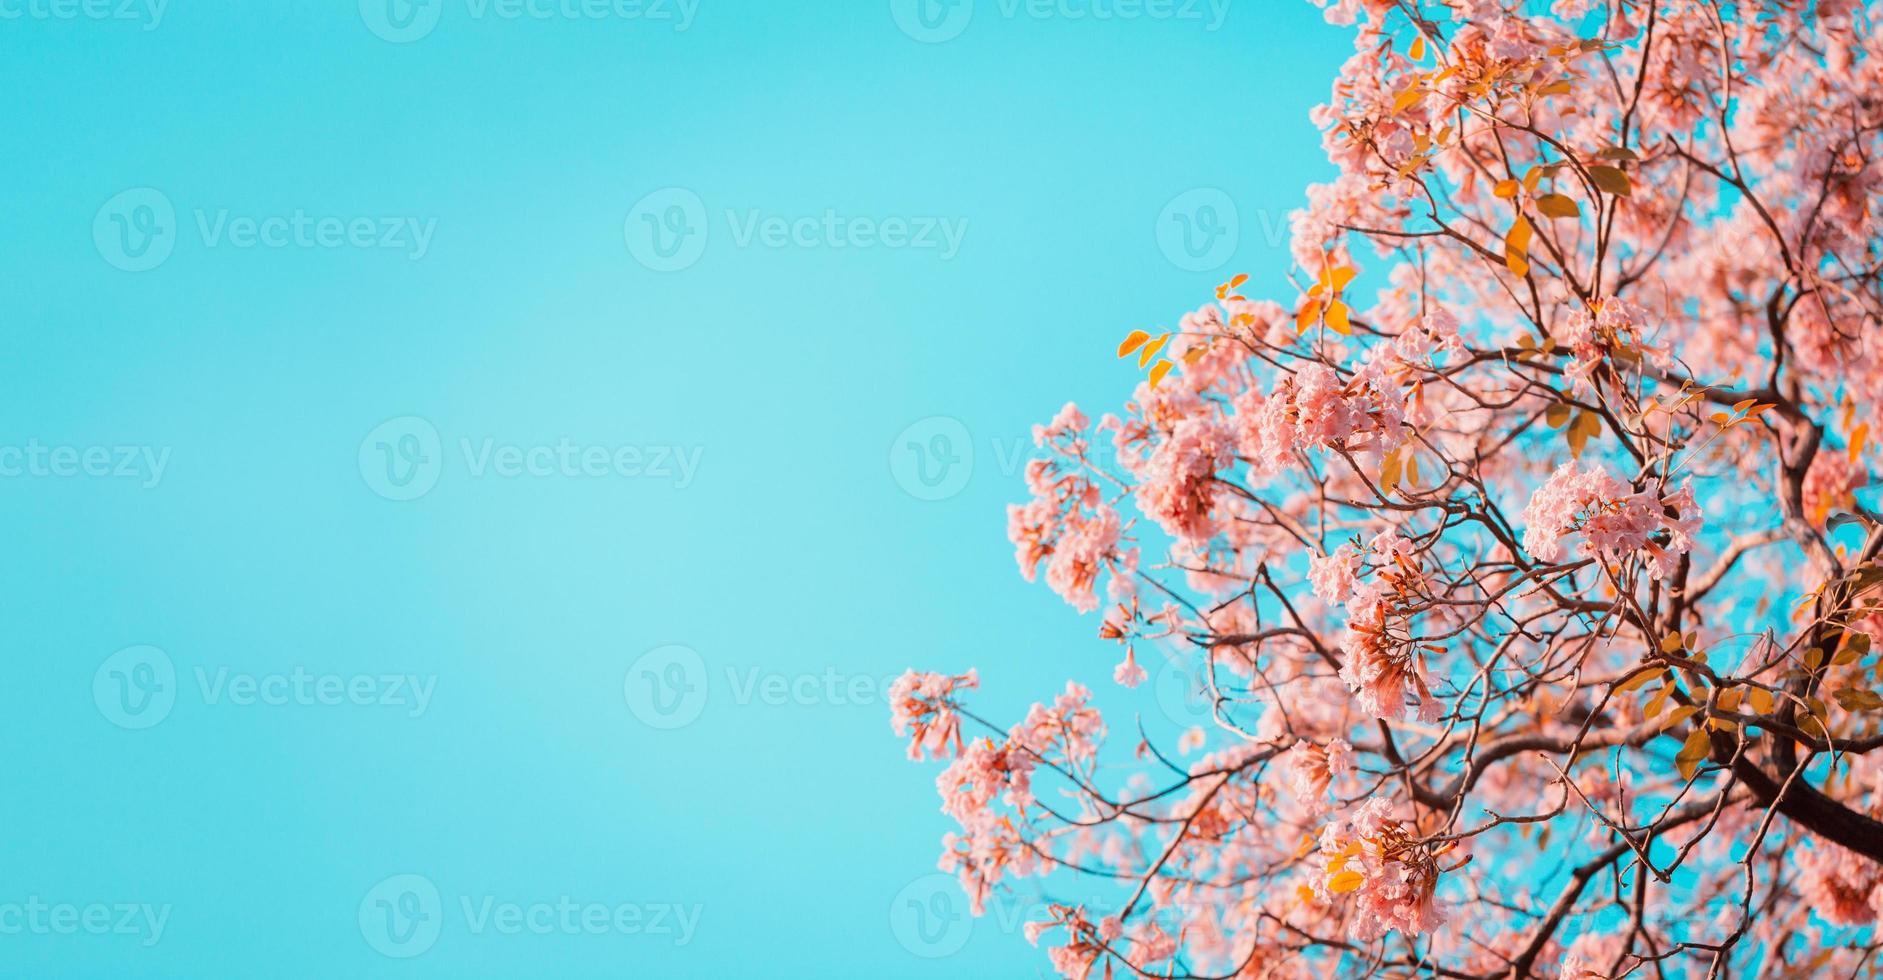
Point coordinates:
[[794, 557]]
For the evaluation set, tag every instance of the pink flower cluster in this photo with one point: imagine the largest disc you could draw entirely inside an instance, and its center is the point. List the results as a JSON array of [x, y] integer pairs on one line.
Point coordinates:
[[1843, 887], [1067, 523], [1314, 769], [1177, 484], [983, 772], [1614, 519], [1613, 325], [1829, 483], [1371, 863], [921, 710], [1314, 409], [1379, 662]]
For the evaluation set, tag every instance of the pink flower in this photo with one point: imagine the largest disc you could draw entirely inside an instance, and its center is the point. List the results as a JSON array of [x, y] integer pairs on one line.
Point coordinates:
[[1613, 518], [1332, 575], [1128, 672], [1830, 483], [1374, 867]]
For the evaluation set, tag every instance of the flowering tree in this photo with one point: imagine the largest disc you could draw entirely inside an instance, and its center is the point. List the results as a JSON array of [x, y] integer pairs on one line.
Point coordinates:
[[1530, 591]]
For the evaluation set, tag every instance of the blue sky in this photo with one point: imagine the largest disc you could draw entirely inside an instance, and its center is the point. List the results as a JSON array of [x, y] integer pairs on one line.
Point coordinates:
[[371, 253]]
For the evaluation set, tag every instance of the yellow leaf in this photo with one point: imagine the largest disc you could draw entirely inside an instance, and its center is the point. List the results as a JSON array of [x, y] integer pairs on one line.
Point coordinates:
[[1557, 414], [1338, 318], [1150, 350], [1858, 437], [1158, 372], [1611, 179], [1133, 341], [1586, 426], [1340, 276], [1389, 471], [1691, 752], [1408, 98], [1638, 680], [1412, 472], [1532, 177], [1345, 882], [1678, 715], [1558, 206], [1505, 189], [1760, 699], [1671, 642], [1418, 48]]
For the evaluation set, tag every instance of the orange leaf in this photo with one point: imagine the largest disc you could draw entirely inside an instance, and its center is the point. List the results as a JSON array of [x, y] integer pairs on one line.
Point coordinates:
[[1150, 350], [1158, 372], [1133, 341], [1337, 318], [1517, 246], [1310, 312]]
